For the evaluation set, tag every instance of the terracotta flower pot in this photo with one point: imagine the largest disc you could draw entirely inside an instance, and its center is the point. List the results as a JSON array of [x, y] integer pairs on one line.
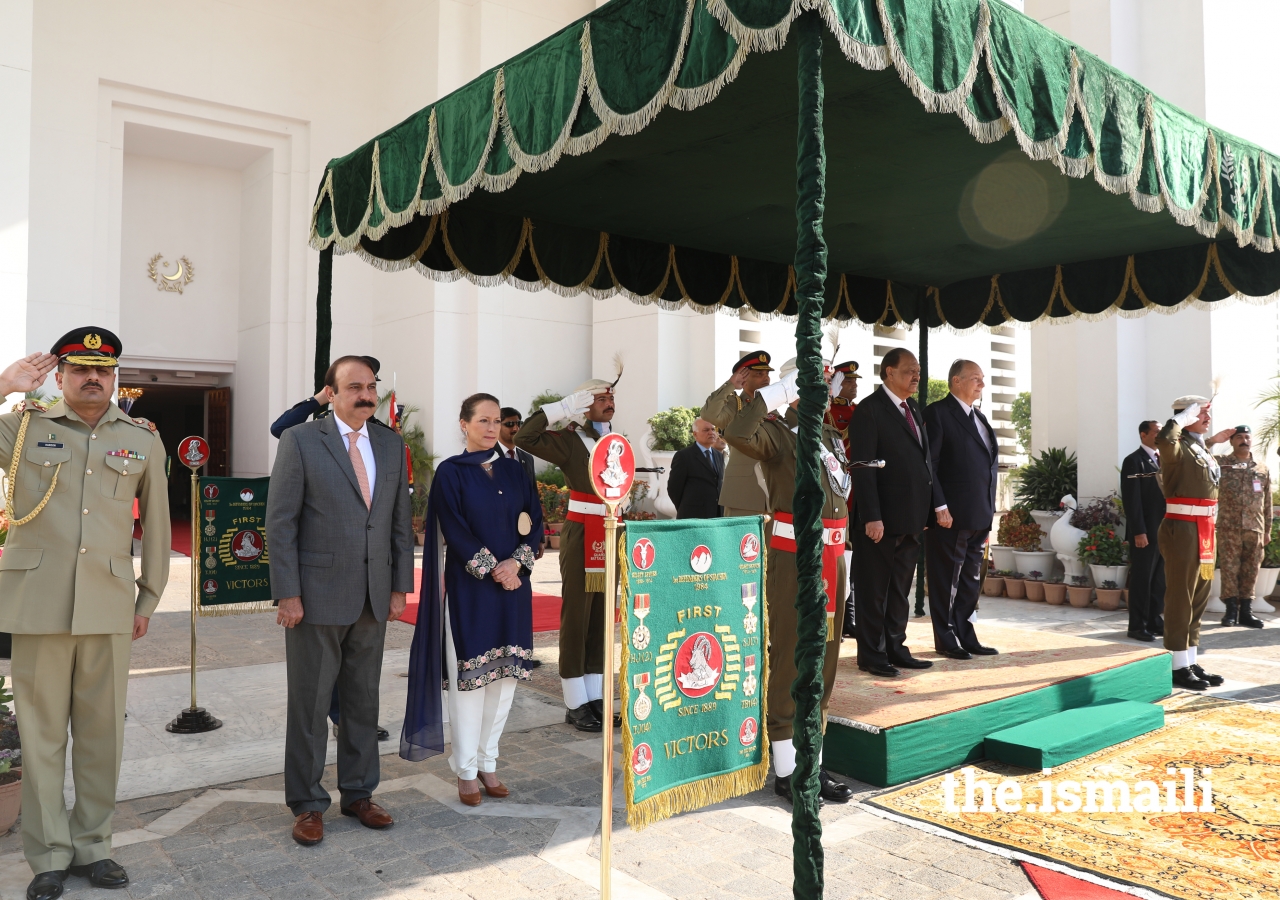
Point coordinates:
[[1055, 593], [1015, 588], [554, 541], [1035, 589], [993, 586], [10, 798], [1109, 599], [1080, 596]]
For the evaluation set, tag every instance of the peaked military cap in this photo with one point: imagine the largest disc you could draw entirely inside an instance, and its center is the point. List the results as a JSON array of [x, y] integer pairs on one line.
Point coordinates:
[[757, 361], [89, 346], [847, 369], [1187, 399]]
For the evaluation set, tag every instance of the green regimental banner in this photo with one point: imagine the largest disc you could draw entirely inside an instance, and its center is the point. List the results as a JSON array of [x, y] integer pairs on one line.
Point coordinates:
[[694, 665], [235, 572]]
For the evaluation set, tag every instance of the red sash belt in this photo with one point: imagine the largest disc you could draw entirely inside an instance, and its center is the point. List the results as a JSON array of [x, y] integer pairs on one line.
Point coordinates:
[[783, 537], [1203, 513], [587, 509]]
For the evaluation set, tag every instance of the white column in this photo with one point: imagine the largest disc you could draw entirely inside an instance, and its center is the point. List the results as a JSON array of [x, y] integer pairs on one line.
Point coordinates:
[[15, 174]]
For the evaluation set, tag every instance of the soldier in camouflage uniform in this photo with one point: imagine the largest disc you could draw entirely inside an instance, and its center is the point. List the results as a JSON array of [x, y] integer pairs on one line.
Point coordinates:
[[1244, 526], [743, 491]]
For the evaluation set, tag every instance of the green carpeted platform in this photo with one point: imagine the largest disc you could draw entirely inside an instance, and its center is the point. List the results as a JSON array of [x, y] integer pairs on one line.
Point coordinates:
[[902, 753], [1073, 733]]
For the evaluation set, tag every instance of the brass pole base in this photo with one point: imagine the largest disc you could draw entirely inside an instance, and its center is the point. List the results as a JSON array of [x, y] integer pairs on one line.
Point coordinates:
[[193, 720]]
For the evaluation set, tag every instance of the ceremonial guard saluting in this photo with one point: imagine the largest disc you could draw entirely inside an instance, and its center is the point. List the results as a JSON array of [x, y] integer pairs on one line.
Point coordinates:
[[586, 415], [1244, 526], [1189, 476], [69, 596], [844, 389], [743, 492], [770, 438]]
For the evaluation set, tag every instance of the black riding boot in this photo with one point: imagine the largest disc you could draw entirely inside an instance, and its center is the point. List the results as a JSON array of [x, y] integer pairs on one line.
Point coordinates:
[[849, 631], [1246, 616], [1232, 616]]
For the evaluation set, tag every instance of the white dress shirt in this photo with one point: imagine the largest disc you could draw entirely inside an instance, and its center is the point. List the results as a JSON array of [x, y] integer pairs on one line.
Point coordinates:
[[1151, 452], [897, 402], [968, 411], [366, 451], [509, 452]]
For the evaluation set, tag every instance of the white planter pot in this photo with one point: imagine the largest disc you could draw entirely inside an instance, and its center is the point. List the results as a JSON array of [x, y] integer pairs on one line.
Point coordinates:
[[1046, 518], [1028, 561], [662, 504], [1118, 574], [1002, 558], [1215, 604], [1266, 583], [1072, 567]]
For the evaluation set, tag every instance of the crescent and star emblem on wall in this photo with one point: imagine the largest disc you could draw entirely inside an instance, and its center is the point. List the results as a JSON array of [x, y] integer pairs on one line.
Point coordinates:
[[182, 276]]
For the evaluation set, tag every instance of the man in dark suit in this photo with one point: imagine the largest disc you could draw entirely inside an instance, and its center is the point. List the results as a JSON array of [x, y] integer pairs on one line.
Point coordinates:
[[890, 509], [962, 446], [697, 474], [338, 524], [1144, 511], [511, 422]]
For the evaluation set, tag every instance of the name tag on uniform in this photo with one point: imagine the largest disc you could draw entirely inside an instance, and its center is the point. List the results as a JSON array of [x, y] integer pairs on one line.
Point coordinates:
[[1257, 486], [50, 445], [127, 454]]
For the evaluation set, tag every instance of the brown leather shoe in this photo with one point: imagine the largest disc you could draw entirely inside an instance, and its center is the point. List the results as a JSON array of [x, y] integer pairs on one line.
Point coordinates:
[[308, 828], [498, 790], [370, 814], [469, 799]]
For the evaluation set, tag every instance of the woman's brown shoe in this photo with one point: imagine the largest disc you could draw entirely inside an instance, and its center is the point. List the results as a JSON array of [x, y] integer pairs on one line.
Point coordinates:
[[498, 789], [468, 799]]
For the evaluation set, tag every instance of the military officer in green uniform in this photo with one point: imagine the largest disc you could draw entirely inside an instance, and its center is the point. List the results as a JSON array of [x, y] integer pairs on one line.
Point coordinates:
[[1189, 477], [742, 493], [762, 435], [69, 596], [585, 417], [1244, 526]]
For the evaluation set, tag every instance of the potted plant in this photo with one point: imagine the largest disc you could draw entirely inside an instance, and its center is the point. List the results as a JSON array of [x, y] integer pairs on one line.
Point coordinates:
[[669, 431], [993, 586], [1104, 552], [1043, 482], [1015, 586], [1002, 550], [1079, 593], [1027, 555], [1035, 585], [555, 504], [1108, 596], [633, 513], [1267, 575], [10, 762], [1055, 591]]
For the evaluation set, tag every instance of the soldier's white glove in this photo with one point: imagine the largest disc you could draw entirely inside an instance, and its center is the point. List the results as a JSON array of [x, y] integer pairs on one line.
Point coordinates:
[[781, 393], [1188, 416], [571, 407], [837, 382]]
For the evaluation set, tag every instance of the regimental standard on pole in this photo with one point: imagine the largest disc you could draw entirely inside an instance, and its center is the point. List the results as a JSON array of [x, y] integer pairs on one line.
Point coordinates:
[[193, 452], [613, 469]]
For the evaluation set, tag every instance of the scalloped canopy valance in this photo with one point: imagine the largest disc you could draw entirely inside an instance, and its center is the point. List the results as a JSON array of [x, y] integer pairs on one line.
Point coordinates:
[[1118, 202]]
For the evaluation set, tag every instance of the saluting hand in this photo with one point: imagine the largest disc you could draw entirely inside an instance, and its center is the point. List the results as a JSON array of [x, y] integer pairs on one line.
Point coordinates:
[[1221, 437], [289, 613], [27, 374]]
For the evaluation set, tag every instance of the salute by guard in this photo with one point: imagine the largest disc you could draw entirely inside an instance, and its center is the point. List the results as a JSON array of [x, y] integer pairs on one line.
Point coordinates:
[[763, 435], [584, 417], [844, 389], [69, 596], [1244, 526], [743, 492], [1189, 476]]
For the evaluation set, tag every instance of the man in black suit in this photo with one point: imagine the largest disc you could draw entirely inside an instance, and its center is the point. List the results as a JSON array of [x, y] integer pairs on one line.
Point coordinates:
[[697, 474], [1144, 510], [890, 509], [511, 422], [962, 446]]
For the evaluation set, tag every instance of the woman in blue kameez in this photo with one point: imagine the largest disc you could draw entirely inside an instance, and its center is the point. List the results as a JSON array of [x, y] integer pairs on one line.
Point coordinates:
[[475, 615]]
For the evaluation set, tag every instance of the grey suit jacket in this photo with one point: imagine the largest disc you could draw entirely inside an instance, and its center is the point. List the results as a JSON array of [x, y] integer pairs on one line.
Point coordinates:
[[325, 546]]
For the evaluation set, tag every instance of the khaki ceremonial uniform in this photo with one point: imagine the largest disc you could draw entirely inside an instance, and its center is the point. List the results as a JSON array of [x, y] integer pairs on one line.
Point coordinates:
[[1187, 470], [1244, 521], [760, 435], [744, 490], [68, 595], [581, 613]]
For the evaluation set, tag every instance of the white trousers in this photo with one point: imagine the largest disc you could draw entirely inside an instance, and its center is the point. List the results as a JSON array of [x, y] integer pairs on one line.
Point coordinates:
[[476, 718]]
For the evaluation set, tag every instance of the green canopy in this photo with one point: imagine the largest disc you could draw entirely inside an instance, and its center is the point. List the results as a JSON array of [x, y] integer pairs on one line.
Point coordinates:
[[802, 174], [696, 206]]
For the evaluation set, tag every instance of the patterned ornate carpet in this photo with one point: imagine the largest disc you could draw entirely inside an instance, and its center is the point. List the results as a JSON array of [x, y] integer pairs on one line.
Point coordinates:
[[1028, 661], [1231, 853]]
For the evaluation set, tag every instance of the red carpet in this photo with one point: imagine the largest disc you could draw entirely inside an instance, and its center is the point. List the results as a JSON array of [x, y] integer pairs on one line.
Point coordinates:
[[1056, 886], [546, 608], [181, 528]]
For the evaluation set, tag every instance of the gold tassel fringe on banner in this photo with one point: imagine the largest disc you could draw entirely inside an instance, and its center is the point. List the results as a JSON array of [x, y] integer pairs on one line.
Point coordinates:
[[236, 609]]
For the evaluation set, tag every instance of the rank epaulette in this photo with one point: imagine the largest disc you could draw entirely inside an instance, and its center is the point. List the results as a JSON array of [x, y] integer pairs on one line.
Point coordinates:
[[144, 423], [28, 404], [772, 417]]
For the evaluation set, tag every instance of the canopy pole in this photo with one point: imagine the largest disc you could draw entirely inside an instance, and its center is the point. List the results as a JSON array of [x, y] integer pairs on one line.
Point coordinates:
[[811, 601], [923, 399], [324, 316]]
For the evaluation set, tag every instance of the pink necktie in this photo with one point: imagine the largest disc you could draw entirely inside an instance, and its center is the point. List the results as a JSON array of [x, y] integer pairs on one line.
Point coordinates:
[[357, 463], [911, 422], [511, 454]]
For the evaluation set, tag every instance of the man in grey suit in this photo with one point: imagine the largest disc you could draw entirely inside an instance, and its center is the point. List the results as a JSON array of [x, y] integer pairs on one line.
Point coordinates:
[[338, 523]]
